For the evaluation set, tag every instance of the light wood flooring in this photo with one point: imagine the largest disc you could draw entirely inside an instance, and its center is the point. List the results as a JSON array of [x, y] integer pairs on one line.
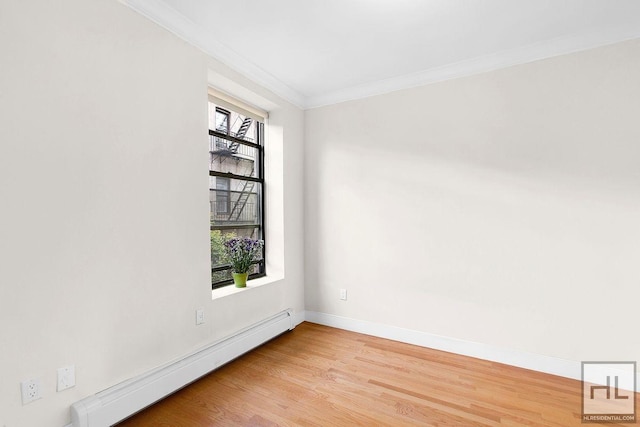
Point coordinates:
[[321, 376]]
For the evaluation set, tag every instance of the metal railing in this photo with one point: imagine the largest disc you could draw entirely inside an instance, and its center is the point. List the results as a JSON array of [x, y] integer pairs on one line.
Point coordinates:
[[237, 124], [221, 145], [221, 211]]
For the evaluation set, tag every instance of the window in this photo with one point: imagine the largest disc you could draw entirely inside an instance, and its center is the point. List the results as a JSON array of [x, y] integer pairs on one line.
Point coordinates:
[[236, 182], [222, 195], [222, 120]]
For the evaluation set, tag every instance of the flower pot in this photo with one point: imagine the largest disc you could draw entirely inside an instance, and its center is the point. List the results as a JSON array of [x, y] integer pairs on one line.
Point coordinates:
[[240, 279]]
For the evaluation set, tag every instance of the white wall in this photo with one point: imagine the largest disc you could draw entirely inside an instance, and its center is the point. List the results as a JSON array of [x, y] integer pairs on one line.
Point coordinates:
[[501, 209], [104, 190]]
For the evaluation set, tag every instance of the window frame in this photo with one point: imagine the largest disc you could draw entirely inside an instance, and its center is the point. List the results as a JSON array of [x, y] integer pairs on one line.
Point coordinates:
[[223, 195], [258, 145]]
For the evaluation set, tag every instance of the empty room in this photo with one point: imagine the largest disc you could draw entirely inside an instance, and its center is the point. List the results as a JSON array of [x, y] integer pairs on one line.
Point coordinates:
[[319, 213]]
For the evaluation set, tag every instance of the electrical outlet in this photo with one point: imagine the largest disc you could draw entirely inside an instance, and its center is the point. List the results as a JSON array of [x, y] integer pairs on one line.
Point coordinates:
[[199, 317], [66, 377], [31, 390], [343, 294]]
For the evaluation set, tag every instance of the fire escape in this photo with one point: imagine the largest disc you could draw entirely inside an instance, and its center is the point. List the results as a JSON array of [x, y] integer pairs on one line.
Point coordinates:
[[228, 149]]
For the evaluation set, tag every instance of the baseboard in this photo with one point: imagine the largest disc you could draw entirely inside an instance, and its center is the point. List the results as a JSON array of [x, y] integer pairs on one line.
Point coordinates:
[[535, 362], [123, 400], [298, 317]]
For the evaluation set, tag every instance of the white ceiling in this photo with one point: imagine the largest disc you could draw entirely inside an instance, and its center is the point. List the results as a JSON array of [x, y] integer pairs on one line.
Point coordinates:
[[317, 52]]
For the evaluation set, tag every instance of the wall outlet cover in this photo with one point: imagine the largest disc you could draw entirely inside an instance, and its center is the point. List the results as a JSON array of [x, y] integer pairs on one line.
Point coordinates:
[[199, 316], [31, 390], [66, 377]]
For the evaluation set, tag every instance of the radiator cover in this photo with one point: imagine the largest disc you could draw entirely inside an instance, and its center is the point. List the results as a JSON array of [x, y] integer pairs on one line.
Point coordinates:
[[125, 399]]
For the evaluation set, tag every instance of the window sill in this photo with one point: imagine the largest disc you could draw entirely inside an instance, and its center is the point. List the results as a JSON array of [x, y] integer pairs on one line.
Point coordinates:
[[251, 284]]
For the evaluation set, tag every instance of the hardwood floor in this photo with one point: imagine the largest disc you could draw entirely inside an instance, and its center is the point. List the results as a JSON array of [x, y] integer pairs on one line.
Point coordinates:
[[320, 376]]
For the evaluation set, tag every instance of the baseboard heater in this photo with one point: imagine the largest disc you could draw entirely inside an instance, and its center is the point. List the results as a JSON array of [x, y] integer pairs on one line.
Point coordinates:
[[125, 399]]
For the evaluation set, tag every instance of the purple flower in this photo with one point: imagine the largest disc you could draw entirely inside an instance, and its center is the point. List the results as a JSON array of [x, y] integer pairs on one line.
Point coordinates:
[[242, 252]]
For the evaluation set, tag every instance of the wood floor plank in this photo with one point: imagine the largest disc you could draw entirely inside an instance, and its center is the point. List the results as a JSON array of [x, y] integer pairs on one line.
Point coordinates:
[[321, 376]]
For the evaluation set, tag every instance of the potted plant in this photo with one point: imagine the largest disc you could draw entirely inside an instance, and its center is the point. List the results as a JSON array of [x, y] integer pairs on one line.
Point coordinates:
[[241, 253]]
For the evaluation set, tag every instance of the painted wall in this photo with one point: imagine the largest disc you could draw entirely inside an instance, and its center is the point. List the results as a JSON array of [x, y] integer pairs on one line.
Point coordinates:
[[104, 189], [500, 209]]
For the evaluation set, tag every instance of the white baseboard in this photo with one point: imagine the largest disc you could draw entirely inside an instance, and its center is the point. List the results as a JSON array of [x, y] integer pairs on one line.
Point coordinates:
[[535, 362], [298, 318], [125, 399]]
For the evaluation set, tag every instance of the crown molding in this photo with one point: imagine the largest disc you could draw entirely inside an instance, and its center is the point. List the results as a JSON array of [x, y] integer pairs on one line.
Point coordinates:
[[167, 17], [482, 64]]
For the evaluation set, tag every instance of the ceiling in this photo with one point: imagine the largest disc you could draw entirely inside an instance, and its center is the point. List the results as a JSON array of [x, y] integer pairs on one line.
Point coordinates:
[[319, 52]]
